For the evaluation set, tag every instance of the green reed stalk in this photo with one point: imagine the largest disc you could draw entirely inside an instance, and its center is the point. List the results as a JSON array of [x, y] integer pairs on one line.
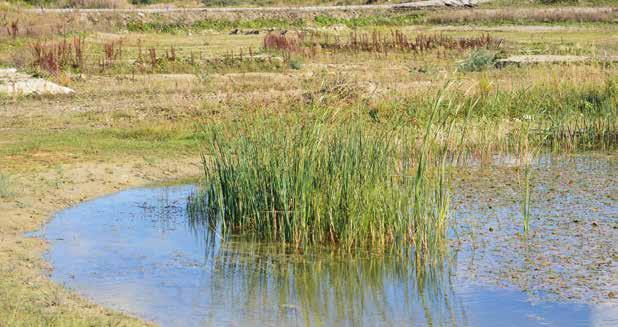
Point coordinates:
[[350, 185], [526, 199]]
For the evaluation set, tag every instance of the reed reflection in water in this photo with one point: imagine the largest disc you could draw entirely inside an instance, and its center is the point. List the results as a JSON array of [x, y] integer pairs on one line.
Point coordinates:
[[324, 287]]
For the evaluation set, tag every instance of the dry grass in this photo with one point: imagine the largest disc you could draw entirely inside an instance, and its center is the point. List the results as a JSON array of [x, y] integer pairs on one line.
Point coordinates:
[[398, 41], [525, 15], [108, 4], [376, 42]]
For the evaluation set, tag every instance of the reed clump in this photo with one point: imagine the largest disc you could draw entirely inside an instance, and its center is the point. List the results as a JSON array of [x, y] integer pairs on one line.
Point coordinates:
[[380, 182], [347, 185]]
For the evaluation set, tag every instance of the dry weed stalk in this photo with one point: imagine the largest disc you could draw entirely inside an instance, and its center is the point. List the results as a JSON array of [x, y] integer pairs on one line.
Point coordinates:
[[377, 42], [54, 56]]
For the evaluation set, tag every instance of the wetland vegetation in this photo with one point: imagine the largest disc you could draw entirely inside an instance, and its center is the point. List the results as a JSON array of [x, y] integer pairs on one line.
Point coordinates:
[[317, 136]]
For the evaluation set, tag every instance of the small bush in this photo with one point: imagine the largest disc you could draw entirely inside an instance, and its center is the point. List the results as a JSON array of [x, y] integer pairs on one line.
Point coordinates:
[[478, 60], [296, 63], [333, 90]]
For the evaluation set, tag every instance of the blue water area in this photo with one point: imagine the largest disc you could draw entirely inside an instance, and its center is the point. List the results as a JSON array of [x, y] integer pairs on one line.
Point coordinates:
[[135, 251]]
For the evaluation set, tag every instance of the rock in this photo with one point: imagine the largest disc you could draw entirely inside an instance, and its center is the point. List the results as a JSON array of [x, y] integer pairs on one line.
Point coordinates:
[[16, 83]]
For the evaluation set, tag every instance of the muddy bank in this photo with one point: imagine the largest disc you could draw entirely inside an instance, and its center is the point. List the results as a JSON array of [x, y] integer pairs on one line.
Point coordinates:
[[28, 297]]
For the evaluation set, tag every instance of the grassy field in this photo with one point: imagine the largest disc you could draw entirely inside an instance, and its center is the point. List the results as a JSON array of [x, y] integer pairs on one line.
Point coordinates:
[[410, 93]]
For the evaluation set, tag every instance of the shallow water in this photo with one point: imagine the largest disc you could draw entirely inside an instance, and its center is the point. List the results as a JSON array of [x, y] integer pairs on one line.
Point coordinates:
[[134, 251]]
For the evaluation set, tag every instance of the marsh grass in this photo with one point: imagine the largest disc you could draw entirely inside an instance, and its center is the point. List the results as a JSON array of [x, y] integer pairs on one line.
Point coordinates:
[[526, 155], [322, 183], [558, 118], [329, 177], [57, 57], [526, 198]]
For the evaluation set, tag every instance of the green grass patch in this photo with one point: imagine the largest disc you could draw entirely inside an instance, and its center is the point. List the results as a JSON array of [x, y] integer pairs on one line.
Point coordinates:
[[147, 140], [213, 24], [370, 20], [266, 23]]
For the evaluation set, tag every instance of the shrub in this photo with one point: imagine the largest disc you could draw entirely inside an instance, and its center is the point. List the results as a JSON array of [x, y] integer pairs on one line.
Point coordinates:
[[296, 63], [478, 60]]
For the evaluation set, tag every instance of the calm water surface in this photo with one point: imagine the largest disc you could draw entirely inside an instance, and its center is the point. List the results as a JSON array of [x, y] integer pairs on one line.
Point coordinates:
[[135, 251]]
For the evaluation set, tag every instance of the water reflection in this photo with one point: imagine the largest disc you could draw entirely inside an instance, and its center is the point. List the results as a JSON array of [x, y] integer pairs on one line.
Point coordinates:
[[136, 251], [325, 286], [330, 289]]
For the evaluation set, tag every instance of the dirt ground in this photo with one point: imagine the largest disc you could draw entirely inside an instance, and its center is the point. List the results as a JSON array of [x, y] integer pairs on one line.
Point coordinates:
[[37, 195]]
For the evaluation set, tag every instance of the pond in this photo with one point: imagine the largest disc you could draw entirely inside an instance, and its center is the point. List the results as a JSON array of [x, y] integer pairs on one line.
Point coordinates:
[[136, 252]]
